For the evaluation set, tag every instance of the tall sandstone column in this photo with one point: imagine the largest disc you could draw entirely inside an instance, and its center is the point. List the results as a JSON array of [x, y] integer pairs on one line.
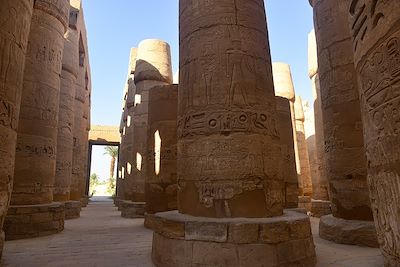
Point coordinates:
[[35, 160], [65, 140], [305, 183], [15, 21], [229, 177], [153, 68], [344, 147], [289, 173], [375, 28], [320, 204]]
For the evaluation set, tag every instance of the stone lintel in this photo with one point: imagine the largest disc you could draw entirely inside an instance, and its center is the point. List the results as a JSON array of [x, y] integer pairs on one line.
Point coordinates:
[[349, 232]]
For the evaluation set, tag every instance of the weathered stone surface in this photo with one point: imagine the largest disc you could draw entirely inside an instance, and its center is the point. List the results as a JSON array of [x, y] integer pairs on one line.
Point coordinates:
[[376, 39], [161, 182], [131, 209], [37, 131], [280, 241], [303, 163], [14, 31], [320, 208], [34, 220], [351, 232], [72, 209], [320, 182], [228, 143], [153, 68], [65, 140], [285, 128], [344, 146]]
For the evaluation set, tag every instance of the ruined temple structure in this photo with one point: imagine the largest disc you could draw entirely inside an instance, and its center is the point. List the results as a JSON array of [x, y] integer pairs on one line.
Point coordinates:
[[230, 187], [320, 204], [284, 87], [351, 221], [375, 35]]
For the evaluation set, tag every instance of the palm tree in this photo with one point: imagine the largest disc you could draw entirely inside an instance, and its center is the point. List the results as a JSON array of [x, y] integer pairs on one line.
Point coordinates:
[[112, 151]]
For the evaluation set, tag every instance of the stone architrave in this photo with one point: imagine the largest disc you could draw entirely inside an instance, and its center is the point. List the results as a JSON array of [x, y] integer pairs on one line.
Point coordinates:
[[305, 183], [230, 187], [35, 160], [153, 67], [283, 86], [161, 182], [346, 165], [285, 127], [15, 21], [376, 43], [320, 204]]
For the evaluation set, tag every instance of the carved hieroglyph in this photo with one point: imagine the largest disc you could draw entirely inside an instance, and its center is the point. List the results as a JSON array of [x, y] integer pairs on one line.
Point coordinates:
[[65, 140], [35, 161], [228, 141], [15, 21], [320, 181], [303, 168], [289, 173], [344, 146], [376, 43], [153, 67], [161, 182]]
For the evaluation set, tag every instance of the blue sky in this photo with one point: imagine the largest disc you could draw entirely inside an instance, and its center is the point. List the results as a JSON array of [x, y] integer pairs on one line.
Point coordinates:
[[116, 26]]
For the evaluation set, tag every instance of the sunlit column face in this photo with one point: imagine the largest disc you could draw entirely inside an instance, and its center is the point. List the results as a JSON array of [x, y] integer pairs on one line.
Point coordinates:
[[139, 160], [138, 100], [157, 152], [129, 168], [129, 121], [123, 173]]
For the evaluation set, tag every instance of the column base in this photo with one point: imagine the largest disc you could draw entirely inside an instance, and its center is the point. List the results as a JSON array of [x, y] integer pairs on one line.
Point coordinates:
[[305, 203], [72, 209], [130, 209], [2, 240], [349, 232], [181, 240], [84, 201], [320, 208], [31, 221]]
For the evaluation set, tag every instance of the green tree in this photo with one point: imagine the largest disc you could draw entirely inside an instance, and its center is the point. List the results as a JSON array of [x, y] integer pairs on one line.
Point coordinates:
[[112, 151], [94, 181]]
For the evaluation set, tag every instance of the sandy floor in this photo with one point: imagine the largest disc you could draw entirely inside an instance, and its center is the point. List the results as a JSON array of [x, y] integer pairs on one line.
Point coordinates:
[[102, 238]]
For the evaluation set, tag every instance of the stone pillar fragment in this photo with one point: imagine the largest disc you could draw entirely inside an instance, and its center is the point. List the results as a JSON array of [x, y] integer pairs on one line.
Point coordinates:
[[285, 127], [344, 147], [35, 160], [320, 204], [15, 21], [161, 182], [375, 34], [229, 177], [153, 67]]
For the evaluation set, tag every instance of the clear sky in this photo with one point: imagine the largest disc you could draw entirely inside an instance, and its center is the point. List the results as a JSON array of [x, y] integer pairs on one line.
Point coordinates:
[[116, 26]]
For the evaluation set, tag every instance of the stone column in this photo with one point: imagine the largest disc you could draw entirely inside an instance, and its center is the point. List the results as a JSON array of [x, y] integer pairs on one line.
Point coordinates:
[[161, 183], [320, 204], [351, 222], [303, 169], [153, 68], [375, 32], [35, 160], [229, 176], [14, 31], [285, 127], [284, 87], [65, 140]]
